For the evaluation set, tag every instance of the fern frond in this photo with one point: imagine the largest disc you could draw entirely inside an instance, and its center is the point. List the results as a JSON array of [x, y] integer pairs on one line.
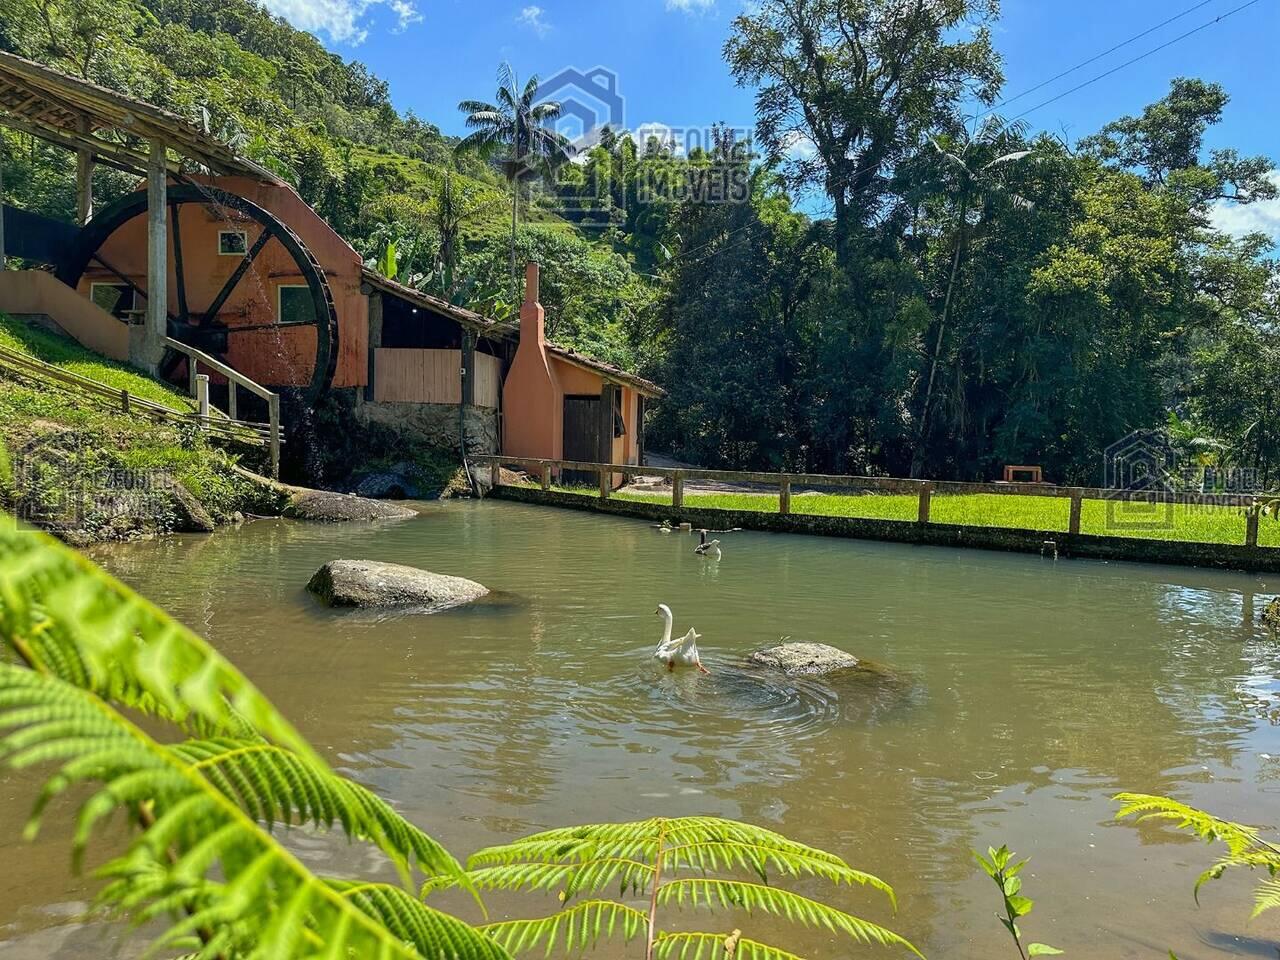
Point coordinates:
[[571, 879], [763, 860], [273, 785], [432, 933], [739, 895], [576, 928], [1267, 896], [641, 840], [64, 616], [190, 831], [1207, 827], [1245, 847], [711, 946]]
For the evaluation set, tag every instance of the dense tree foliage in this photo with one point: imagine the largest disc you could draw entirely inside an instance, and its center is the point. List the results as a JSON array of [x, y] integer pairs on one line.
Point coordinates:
[[971, 292]]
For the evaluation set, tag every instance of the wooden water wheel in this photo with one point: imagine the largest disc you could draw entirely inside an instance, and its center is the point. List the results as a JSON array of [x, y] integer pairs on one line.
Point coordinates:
[[200, 325]]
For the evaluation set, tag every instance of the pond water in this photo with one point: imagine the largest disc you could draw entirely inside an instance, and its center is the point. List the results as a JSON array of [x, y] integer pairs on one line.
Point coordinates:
[[1025, 693]]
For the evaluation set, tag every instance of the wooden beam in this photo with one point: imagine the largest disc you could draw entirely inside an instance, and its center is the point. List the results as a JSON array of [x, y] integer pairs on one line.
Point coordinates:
[[375, 337], [468, 368], [157, 327], [133, 160], [1, 211], [84, 178]]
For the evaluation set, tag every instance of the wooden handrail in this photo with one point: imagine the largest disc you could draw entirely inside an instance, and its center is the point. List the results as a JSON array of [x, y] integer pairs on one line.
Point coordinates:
[[197, 358], [217, 366]]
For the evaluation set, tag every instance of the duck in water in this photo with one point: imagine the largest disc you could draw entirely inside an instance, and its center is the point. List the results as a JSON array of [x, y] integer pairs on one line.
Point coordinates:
[[707, 548], [681, 652]]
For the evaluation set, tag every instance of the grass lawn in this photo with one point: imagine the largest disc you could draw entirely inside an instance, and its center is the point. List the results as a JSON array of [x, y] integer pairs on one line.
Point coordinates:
[[30, 411], [70, 356], [1048, 514]]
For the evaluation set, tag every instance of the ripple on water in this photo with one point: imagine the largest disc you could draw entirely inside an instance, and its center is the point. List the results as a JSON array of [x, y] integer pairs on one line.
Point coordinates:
[[748, 706]]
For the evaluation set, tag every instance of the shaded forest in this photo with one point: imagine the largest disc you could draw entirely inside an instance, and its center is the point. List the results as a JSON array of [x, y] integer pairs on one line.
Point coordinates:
[[973, 291]]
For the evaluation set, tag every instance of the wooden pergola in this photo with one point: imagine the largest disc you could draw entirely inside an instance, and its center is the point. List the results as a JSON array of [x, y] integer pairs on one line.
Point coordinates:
[[105, 127]]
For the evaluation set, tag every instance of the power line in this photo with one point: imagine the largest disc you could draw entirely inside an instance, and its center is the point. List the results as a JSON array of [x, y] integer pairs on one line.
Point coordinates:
[[1105, 53], [1139, 58]]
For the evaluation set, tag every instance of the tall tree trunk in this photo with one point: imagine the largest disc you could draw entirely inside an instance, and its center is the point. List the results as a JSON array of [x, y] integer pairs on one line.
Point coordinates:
[[918, 455], [515, 277]]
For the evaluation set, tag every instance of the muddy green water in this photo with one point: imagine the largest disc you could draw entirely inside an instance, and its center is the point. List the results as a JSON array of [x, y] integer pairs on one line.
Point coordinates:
[[1028, 693]]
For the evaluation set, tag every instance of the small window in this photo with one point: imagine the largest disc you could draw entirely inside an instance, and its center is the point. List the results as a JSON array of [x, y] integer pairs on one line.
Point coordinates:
[[619, 421], [295, 305], [232, 243], [115, 298]]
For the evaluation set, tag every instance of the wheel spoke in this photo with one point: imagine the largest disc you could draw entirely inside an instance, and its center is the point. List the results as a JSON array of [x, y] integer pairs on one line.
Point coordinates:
[[235, 277], [178, 273]]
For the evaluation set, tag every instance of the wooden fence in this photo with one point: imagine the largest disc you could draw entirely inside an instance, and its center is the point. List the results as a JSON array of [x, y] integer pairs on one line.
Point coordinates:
[[122, 401], [923, 490]]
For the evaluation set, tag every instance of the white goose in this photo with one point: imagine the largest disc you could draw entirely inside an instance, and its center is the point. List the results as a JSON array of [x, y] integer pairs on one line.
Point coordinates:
[[682, 652]]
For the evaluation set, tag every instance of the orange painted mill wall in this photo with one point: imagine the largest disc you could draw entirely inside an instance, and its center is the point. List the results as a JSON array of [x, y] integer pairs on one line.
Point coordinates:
[[275, 358]]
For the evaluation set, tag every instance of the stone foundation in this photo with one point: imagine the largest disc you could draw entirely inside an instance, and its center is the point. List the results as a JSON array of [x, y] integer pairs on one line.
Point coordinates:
[[435, 424]]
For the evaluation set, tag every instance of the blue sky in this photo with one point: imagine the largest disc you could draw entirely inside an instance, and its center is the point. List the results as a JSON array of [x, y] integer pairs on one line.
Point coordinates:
[[666, 55]]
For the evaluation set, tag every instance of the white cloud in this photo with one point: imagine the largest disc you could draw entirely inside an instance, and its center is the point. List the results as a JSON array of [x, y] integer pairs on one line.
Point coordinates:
[[1261, 217], [799, 146], [343, 21], [533, 18], [691, 6]]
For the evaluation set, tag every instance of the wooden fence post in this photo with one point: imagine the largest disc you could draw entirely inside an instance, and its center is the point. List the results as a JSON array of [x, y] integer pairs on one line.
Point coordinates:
[[495, 475], [546, 476], [926, 497], [677, 490], [273, 418], [193, 370], [1077, 505], [202, 400], [231, 399], [1251, 528], [124, 401], [784, 496], [606, 482]]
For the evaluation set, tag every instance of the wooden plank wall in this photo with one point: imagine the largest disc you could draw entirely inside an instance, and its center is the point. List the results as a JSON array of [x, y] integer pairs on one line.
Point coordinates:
[[488, 380], [431, 376]]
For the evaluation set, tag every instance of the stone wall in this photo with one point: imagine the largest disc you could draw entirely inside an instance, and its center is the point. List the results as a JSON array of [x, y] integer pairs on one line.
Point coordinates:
[[1082, 546], [435, 423]]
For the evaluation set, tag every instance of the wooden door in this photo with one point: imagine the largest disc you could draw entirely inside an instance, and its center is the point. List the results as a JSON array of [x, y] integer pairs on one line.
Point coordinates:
[[581, 436]]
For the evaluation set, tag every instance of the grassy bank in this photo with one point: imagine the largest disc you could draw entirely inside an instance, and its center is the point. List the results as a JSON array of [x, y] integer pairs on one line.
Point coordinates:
[[1191, 524], [90, 473]]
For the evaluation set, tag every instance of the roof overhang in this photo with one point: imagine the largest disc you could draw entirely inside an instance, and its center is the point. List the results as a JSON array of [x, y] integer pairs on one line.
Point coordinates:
[[506, 331], [113, 128]]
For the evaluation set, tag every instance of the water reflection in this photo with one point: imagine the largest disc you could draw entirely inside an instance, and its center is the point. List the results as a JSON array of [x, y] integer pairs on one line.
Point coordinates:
[[1023, 694]]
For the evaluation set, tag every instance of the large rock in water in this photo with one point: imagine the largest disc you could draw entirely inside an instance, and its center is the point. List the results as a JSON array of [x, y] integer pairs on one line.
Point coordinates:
[[368, 583], [805, 659], [321, 506]]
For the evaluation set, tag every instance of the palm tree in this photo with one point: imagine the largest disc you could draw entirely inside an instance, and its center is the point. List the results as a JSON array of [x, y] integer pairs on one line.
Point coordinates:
[[514, 129]]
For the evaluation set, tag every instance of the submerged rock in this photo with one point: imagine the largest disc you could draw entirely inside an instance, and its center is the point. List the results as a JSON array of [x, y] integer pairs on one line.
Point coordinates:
[[806, 659], [368, 583], [321, 506]]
